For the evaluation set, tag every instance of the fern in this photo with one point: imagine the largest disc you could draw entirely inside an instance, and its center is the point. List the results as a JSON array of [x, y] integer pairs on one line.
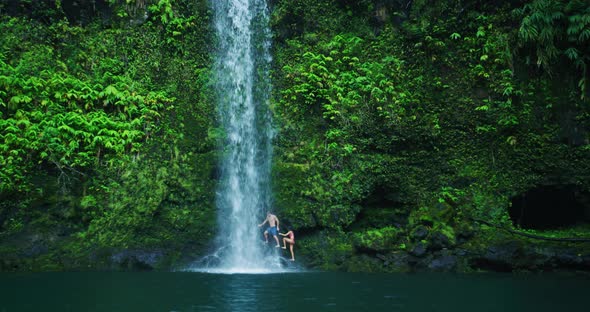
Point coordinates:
[[555, 29]]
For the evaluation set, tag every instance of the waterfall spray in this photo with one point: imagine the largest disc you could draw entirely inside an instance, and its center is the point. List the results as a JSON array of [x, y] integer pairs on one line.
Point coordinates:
[[241, 73]]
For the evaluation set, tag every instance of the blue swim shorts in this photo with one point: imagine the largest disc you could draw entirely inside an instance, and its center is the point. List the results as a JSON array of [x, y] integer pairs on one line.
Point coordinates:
[[272, 230]]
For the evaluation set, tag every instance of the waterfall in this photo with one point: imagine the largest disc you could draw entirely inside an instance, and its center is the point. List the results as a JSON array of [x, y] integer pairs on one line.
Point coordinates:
[[241, 79]]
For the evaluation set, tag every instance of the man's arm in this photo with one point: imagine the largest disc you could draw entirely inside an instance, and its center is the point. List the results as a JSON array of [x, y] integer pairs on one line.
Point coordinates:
[[261, 224], [277, 219]]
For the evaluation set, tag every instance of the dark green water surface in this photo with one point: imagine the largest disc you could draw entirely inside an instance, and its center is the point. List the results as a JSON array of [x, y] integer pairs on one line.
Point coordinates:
[[188, 291]]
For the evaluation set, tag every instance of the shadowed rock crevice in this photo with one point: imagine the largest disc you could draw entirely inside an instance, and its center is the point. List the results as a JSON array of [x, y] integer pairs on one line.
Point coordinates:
[[548, 207]]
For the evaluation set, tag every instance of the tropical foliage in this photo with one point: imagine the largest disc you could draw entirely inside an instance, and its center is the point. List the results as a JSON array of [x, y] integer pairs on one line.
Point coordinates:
[[427, 124], [399, 124], [93, 139]]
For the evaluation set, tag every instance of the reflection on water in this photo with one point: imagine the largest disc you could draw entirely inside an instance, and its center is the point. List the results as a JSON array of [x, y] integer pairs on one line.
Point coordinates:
[[184, 291], [241, 293]]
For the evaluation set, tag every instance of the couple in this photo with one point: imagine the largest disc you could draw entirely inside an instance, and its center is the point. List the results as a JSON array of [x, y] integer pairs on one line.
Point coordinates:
[[273, 228]]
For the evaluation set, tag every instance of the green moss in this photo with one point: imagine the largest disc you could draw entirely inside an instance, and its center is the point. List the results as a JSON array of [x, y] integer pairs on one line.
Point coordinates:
[[387, 123], [447, 231], [294, 208], [327, 250], [382, 239], [363, 263]]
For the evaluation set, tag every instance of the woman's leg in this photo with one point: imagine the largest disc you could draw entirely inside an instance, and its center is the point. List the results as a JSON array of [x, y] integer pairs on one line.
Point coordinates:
[[285, 241], [292, 253]]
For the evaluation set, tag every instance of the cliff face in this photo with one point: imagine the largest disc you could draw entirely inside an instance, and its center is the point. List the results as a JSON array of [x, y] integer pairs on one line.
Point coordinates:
[[405, 125], [108, 134], [412, 135]]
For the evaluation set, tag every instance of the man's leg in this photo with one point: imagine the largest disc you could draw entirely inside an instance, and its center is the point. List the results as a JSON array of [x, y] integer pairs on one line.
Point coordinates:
[[266, 236], [277, 240]]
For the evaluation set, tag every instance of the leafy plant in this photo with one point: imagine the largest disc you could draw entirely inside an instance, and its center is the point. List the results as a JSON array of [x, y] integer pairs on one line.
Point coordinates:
[[557, 31]]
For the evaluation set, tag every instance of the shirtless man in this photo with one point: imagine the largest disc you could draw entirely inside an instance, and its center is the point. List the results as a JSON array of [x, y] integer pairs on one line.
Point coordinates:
[[273, 227]]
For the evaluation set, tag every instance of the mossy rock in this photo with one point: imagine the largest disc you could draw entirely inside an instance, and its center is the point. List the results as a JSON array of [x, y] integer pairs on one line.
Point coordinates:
[[419, 233], [363, 263], [327, 250], [442, 236], [293, 207], [382, 239]]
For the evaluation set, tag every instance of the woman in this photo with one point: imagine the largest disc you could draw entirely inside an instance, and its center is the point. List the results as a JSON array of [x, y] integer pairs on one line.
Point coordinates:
[[290, 240]]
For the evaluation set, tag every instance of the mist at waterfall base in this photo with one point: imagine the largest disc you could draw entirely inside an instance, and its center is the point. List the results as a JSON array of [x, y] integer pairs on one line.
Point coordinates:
[[242, 84]]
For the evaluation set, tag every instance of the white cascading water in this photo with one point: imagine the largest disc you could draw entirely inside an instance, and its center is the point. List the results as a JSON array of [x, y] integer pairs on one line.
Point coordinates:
[[241, 74]]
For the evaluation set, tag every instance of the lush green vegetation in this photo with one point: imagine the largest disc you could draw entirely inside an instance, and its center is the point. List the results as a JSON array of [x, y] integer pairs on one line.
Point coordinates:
[[104, 140], [413, 122], [401, 124]]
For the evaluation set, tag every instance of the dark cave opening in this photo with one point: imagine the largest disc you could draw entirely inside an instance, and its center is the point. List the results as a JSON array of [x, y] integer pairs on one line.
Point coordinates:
[[381, 208], [550, 207]]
